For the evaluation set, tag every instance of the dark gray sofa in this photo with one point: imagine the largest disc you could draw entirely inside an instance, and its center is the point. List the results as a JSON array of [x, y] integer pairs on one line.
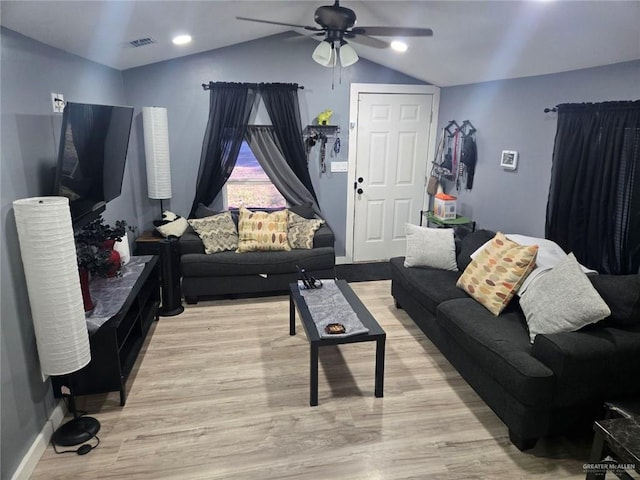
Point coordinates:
[[558, 384], [231, 273]]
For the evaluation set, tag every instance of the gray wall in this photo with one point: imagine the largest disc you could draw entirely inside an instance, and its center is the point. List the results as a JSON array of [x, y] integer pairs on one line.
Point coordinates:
[[509, 116], [176, 84], [30, 131]]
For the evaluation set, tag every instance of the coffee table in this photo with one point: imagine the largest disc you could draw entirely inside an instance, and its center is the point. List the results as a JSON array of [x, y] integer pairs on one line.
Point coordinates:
[[619, 435], [375, 334]]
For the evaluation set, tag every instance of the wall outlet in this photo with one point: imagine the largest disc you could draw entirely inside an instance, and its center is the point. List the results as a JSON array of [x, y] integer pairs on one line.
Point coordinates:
[[57, 102]]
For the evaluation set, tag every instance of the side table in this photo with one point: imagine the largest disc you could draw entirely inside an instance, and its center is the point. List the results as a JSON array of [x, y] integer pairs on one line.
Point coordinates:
[[617, 436], [459, 221], [168, 250]]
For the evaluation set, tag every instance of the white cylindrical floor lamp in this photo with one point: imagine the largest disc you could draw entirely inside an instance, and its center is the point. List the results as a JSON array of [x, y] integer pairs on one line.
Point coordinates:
[[156, 151], [48, 255]]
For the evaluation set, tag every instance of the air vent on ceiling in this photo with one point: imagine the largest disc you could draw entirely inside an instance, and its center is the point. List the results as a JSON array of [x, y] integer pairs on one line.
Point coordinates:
[[141, 42]]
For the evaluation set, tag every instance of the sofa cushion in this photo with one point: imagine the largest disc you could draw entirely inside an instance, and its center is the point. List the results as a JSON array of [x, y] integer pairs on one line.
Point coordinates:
[[218, 232], [469, 244], [430, 247], [428, 286], [622, 294], [500, 346], [562, 300], [495, 275], [255, 263], [301, 230], [262, 231]]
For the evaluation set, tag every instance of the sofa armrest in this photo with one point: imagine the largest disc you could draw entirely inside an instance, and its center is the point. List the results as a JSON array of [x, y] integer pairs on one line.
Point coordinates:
[[593, 363], [190, 242], [323, 237]]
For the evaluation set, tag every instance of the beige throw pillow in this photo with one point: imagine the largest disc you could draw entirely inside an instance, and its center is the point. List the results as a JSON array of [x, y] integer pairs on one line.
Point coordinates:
[[262, 231], [217, 232], [301, 230], [496, 273]]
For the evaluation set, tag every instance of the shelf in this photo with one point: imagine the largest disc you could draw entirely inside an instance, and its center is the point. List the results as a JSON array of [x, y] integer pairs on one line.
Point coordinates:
[[327, 130]]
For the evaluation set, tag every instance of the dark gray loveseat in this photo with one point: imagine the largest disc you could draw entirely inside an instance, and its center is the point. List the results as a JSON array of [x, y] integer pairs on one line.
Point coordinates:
[[554, 386], [231, 273]]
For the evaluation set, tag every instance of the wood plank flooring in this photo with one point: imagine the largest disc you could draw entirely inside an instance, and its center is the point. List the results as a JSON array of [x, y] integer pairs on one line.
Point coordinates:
[[222, 392]]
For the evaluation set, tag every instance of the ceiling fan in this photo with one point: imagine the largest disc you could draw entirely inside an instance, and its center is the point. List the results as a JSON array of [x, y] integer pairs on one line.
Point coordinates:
[[337, 24]]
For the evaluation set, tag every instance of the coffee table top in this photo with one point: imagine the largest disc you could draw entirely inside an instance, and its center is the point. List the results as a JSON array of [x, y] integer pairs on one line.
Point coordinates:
[[375, 330], [623, 437]]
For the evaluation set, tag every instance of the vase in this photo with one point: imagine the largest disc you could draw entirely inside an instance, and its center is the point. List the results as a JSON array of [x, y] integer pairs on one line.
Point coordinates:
[[84, 287], [114, 261], [114, 258]]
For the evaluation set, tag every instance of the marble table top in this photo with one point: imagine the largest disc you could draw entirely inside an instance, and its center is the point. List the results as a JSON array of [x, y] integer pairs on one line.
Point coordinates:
[[622, 435], [109, 294]]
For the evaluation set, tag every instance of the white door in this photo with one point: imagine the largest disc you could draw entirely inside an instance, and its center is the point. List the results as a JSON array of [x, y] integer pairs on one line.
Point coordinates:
[[391, 160]]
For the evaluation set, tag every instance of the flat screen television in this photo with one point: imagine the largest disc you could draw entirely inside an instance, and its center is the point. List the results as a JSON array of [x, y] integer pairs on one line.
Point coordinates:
[[92, 155]]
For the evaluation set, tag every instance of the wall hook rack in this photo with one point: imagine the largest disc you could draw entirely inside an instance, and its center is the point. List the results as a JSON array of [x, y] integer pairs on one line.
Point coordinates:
[[326, 130]]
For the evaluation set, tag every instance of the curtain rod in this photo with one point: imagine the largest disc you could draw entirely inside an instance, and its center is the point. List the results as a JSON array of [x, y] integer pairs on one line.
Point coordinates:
[[554, 109], [205, 86]]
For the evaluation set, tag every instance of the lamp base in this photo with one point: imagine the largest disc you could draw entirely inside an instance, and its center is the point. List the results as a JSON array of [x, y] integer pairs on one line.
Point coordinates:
[[76, 431], [170, 312]]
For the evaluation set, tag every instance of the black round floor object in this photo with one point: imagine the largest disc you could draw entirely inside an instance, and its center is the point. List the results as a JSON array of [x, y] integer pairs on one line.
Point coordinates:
[[76, 431]]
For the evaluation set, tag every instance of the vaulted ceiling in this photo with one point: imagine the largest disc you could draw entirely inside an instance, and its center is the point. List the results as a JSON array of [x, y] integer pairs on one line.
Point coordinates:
[[473, 41]]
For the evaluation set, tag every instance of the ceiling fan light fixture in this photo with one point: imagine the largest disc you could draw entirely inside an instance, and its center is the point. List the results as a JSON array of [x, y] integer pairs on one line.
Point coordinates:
[[348, 55], [399, 46], [324, 54]]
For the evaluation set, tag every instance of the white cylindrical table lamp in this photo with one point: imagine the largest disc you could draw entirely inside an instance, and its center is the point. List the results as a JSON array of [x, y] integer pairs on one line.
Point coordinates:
[[156, 151], [48, 253]]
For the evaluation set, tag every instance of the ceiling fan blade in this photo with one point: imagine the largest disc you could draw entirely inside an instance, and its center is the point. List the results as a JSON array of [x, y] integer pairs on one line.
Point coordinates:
[[393, 31], [306, 27], [367, 41]]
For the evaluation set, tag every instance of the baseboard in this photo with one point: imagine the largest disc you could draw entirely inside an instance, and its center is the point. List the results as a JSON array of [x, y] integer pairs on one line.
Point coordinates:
[[40, 444], [342, 260]]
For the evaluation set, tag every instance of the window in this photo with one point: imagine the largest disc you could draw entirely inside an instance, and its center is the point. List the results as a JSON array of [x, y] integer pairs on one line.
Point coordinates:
[[249, 186]]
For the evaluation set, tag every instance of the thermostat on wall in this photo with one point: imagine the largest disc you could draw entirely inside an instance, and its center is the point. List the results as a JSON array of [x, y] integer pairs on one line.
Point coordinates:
[[509, 159]]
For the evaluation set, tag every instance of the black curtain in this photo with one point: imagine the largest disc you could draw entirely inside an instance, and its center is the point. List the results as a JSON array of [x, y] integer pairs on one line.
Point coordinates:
[[230, 105], [281, 101], [594, 198]]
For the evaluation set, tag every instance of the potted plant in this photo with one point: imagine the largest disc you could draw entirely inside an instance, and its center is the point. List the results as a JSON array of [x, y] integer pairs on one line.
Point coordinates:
[[97, 233], [95, 254]]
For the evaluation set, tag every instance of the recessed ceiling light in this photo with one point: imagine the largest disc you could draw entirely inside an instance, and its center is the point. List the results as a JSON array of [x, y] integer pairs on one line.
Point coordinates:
[[399, 46], [181, 39]]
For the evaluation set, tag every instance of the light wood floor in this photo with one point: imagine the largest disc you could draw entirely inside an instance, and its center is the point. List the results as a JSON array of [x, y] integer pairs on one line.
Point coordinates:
[[222, 392]]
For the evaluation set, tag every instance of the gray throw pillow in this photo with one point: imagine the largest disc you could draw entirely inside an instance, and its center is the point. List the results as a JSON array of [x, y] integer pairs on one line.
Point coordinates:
[[562, 300], [430, 247]]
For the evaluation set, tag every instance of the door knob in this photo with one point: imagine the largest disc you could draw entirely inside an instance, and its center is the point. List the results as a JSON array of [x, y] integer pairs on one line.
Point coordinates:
[[359, 191], [360, 179]]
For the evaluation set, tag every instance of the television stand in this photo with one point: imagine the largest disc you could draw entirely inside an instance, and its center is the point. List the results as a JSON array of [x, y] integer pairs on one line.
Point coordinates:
[[116, 342]]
